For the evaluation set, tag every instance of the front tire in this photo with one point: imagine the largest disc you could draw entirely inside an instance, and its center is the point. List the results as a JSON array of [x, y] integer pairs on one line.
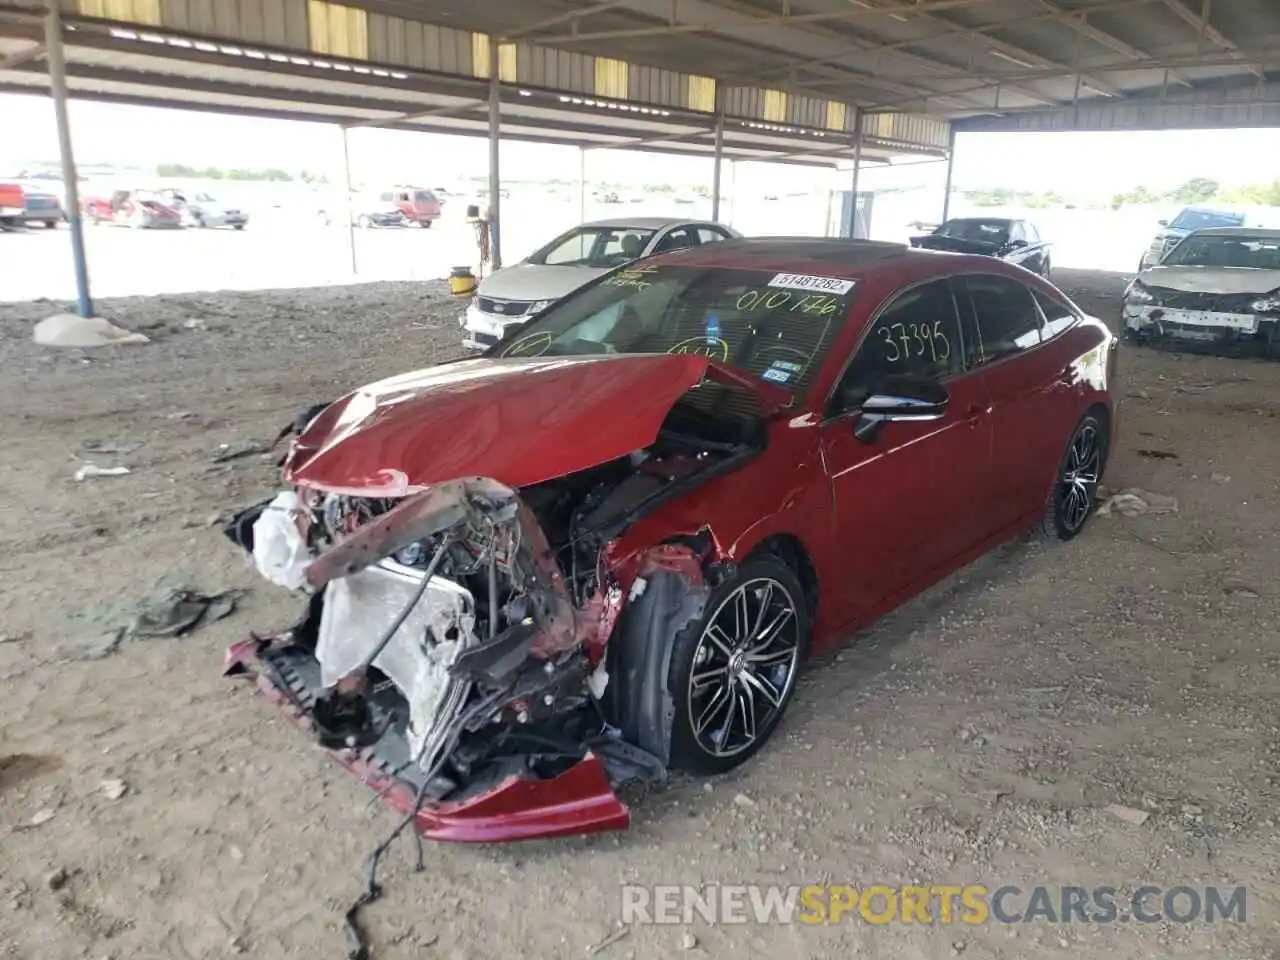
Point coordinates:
[[733, 670], [364, 223], [1075, 486]]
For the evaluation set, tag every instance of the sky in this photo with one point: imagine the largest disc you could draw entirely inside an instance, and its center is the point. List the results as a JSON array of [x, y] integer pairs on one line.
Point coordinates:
[[1100, 163]]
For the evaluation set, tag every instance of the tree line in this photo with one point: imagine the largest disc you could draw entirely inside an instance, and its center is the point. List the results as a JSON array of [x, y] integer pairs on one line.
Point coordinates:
[[270, 174]]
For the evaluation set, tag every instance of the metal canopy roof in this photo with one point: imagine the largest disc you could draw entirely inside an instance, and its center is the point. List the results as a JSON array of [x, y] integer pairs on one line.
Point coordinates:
[[950, 58], [794, 80], [402, 75]]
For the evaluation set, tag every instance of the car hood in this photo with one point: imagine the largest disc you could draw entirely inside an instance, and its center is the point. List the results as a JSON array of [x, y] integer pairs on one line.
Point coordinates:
[[517, 421], [1212, 279], [534, 281]]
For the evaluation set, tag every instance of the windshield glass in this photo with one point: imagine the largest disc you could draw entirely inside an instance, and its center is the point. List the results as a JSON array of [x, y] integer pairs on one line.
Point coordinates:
[[1226, 251], [990, 231], [203, 198], [600, 247], [1204, 219], [777, 326]]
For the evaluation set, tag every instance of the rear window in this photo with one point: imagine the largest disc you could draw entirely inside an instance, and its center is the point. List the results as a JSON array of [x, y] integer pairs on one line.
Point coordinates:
[[424, 196], [1205, 219], [775, 325]]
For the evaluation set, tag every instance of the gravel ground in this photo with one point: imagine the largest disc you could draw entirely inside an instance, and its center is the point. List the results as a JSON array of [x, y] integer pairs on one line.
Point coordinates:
[[975, 736]]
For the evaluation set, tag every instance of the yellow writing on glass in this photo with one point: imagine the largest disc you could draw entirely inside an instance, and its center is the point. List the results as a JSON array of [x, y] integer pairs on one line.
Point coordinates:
[[703, 347], [813, 303], [534, 345], [637, 277]]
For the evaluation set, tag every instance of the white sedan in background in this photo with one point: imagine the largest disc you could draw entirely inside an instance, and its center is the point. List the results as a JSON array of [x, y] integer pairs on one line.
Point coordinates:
[[1220, 285], [518, 293]]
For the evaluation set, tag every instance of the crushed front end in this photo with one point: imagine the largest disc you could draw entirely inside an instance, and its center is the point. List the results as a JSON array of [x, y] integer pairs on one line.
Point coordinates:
[[442, 658]]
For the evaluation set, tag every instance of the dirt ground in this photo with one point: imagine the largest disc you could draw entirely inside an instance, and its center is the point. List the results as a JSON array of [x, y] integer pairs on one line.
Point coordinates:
[[975, 736]]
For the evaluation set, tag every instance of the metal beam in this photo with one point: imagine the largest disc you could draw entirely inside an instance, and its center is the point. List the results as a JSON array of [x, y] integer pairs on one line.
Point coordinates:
[[717, 162], [786, 20], [451, 110], [1078, 21], [857, 165], [1207, 31], [495, 176], [571, 16], [70, 182], [347, 208], [951, 166]]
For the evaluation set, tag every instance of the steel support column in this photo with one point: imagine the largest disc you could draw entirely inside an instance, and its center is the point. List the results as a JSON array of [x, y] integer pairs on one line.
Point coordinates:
[[582, 184], [951, 166], [857, 170], [347, 206], [495, 178], [71, 187], [717, 164]]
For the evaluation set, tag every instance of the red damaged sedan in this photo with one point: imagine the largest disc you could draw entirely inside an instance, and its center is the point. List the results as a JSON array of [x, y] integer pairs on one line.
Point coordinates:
[[605, 548]]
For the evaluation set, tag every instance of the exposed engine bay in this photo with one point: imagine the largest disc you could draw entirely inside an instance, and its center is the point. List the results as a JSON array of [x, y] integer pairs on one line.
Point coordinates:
[[457, 637]]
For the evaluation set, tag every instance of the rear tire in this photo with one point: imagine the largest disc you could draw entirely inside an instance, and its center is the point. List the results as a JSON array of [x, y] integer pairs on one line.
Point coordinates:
[[733, 670], [1075, 485]]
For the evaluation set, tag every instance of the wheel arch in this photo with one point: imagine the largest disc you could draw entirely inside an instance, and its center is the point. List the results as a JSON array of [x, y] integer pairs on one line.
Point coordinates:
[[790, 549]]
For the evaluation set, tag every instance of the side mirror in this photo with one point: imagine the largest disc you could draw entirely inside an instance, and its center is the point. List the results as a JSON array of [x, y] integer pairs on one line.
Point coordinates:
[[900, 397], [1163, 223], [1017, 244]]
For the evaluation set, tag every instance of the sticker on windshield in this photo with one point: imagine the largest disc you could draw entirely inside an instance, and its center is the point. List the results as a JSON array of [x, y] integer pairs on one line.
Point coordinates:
[[781, 371], [801, 281]]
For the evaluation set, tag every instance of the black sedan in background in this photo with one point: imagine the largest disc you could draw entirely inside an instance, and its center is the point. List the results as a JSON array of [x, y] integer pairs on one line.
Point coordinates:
[[1016, 241]]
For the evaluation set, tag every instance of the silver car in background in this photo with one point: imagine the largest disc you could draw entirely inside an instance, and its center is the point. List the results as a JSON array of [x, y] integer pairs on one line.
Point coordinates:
[[518, 293]]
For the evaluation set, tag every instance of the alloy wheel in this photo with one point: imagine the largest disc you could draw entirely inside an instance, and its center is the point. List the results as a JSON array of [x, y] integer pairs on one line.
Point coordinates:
[[1080, 474], [744, 667]]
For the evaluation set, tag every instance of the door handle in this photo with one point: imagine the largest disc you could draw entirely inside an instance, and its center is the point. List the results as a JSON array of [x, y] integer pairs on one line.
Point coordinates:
[[976, 412]]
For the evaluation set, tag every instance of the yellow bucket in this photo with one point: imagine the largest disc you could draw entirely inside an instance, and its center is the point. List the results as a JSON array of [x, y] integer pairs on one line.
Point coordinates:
[[462, 282]]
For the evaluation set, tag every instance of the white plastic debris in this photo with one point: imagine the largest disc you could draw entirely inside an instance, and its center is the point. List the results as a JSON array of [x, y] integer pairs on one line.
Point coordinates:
[[598, 682], [360, 608], [93, 470], [1135, 502], [70, 330], [279, 552]]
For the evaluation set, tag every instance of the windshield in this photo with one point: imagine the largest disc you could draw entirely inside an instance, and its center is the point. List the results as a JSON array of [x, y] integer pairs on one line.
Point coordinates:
[[424, 196], [600, 247], [990, 231], [777, 326], [1205, 219], [1225, 250], [203, 198]]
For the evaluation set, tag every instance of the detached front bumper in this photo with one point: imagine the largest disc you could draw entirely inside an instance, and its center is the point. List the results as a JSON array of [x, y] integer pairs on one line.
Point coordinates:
[[1154, 322], [481, 330], [578, 801]]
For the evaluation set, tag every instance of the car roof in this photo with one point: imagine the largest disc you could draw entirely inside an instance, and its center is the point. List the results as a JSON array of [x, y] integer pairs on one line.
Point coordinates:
[[982, 220], [641, 223], [847, 259], [1261, 233]]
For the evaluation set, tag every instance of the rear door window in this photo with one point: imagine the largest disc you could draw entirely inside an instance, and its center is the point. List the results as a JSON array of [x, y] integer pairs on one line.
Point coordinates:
[[1006, 313], [711, 235], [1057, 315]]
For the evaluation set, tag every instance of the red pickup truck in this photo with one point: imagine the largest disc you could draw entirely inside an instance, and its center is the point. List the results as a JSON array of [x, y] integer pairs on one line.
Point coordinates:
[[13, 204]]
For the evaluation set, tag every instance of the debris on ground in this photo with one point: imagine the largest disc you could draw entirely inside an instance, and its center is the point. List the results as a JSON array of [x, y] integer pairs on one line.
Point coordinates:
[[1158, 454], [226, 452], [1136, 502], [70, 330], [1219, 478], [113, 789], [93, 470], [108, 446], [43, 816], [20, 637], [607, 942], [1130, 815], [56, 879], [173, 612], [688, 942]]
